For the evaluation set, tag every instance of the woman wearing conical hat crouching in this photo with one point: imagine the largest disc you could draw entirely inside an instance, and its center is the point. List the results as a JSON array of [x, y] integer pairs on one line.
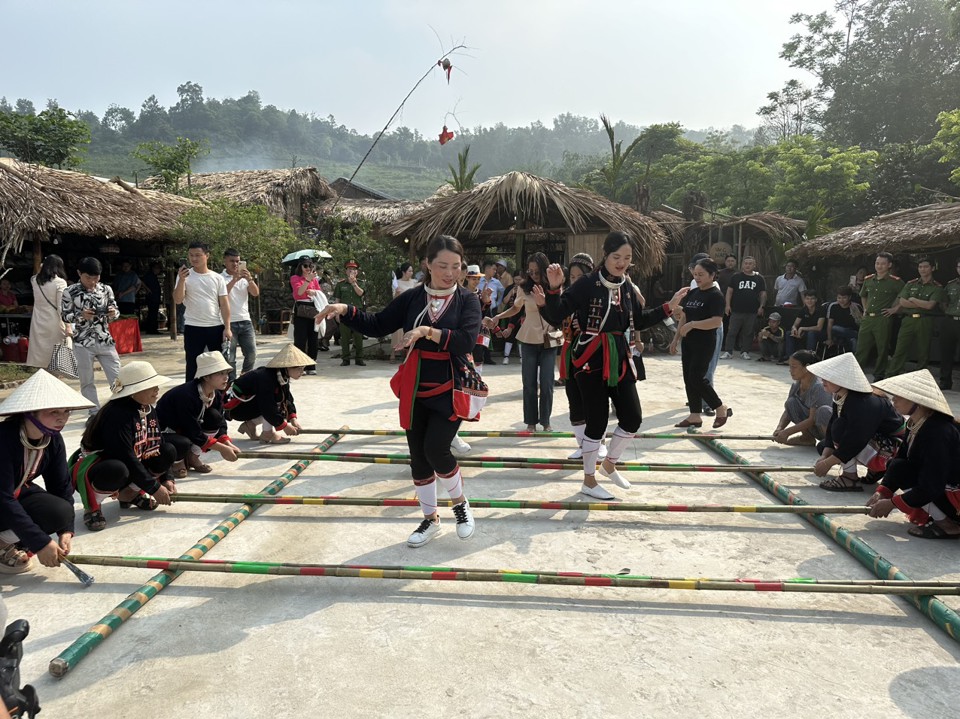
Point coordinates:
[[122, 452], [437, 384], [924, 470], [262, 399], [191, 415], [864, 428], [31, 446]]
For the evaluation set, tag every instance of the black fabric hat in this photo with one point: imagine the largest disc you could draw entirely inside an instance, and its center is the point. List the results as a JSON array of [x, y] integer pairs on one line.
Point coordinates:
[[697, 257]]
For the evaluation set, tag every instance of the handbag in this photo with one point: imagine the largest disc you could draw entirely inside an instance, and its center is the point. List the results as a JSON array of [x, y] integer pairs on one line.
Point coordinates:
[[63, 362], [551, 338], [305, 309], [469, 390]]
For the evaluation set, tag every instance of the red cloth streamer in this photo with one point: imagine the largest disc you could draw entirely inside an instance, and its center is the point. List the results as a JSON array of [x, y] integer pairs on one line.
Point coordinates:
[[447, 67], [445, 136]]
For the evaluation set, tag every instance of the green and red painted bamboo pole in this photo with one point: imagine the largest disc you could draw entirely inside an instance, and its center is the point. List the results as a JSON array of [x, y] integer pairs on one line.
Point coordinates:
[[557, 435], [500, 575], [942, 615], [93, 637], [521, 463], [333, 501]]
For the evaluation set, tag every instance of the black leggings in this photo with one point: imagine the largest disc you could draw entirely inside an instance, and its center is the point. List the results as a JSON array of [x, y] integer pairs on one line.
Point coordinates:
[[696, 353], [572, 390], [429, 439], [305, 338], [52, 514], [212, 419], [110, 475], [596, 397]]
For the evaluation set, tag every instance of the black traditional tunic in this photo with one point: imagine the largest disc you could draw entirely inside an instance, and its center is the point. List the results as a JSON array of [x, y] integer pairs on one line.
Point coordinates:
[[182, 410], [263, 392], [864, 418]]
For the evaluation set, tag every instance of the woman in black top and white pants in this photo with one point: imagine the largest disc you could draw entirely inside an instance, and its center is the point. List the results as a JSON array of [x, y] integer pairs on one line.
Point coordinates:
[[703, 309]]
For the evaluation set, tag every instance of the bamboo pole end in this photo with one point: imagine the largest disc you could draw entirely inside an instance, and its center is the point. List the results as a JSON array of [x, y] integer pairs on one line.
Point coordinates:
[[58, 667]]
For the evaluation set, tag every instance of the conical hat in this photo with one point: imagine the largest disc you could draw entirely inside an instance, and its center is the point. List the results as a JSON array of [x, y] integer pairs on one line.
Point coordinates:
[[43, 391], [842, 370], [135, 377], [289, 356], [919, 387]]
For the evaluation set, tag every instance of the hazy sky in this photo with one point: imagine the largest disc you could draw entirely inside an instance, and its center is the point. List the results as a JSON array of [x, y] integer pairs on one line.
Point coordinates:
[[700, 62]]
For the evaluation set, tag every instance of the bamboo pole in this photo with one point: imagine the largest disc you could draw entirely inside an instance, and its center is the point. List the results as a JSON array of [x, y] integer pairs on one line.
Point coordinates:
[[522, 463], [561, 435], [942, 615], [501, 575], [520, 504], [93, 637]]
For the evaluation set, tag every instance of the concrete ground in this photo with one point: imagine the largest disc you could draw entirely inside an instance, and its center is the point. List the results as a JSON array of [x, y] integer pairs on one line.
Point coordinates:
[[244, 645]]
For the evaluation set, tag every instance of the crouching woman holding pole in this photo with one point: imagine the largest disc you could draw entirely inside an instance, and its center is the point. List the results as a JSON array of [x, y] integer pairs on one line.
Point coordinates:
[[31, 446]]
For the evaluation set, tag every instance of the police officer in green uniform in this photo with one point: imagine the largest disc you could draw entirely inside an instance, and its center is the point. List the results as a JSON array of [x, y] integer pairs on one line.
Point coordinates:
[[918, 302], [879, 295], [350, 292], [949, 331]]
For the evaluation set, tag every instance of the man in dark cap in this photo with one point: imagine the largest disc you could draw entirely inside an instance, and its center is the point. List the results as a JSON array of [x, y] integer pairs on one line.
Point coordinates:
[[350, 292]]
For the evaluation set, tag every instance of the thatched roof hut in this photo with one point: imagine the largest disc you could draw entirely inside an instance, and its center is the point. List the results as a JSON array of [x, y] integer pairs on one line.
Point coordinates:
[[41, 202], [519, 204], [377, 212], [282, 192], [929, 228], [353, 190]]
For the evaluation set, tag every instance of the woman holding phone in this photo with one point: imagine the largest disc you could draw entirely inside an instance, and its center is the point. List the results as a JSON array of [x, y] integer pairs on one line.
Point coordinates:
[[304, 283]]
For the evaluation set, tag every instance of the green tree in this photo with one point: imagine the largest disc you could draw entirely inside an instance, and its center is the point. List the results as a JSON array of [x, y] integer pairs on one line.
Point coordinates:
[[54, 137], [947, 142], [462, 179], [790, 111], [610, 178], [171, 162]]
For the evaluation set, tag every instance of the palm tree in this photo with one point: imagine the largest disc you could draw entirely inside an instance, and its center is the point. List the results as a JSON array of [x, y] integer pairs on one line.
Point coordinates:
[[611, 172], [462, 177]]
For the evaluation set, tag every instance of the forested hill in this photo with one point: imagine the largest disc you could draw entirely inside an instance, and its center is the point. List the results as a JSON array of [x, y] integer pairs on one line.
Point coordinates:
[[245, 134]]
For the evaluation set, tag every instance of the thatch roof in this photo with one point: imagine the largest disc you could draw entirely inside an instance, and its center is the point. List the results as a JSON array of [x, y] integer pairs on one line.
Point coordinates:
[[501, 202], [354, 190], [40, 200], [377, 212], [931, 227], [270, 188]]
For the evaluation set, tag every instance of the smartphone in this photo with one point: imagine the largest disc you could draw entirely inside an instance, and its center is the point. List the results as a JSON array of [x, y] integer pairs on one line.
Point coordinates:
[[243, 265], [182, 262]]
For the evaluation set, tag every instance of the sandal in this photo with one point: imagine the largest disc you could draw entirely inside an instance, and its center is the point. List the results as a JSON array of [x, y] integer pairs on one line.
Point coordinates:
[[94, 520], [14, 560], [194, 462], [931, 530], [839, 484], [141, 501], [722, 419], [273, 439], [688, 423], [178, 469], [248, 428]]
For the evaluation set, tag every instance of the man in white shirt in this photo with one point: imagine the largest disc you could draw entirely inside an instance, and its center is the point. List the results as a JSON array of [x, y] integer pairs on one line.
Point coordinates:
[[789, 287], [240, 287], [203, 294]]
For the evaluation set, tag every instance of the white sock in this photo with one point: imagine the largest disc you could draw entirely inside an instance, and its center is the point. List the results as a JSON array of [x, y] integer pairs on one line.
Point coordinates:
[[427, 495], [591, 447], [507, 348], [578, 430], [618, 442], [265, 426], [934, 511], [453, 483], [850, 468]]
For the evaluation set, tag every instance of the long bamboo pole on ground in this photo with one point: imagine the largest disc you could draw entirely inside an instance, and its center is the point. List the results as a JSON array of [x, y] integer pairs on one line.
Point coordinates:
[[942, 615], [499, 575], [476, 503], [521, 463], [556, 435], [93, 637]]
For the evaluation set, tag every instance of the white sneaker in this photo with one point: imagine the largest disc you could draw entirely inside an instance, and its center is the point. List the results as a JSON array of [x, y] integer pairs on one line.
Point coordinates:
[[602, 452], [725, 355], [745, 355], [597, 492], [506, 360], [428, 529], [576, 454], [465, 523], [458, 446], [615, 477]]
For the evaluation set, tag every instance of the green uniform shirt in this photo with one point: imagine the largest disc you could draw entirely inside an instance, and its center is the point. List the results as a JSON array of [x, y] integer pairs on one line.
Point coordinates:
[[916, 290], [952, 297], [343, 292], [880, 294]]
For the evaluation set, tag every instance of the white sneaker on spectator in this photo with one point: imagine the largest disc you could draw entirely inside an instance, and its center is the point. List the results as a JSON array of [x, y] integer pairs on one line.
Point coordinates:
[[506, 360], [745, 355], [465, 523], [725, 355], [597, 492], [428, 529], [458, 446]]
